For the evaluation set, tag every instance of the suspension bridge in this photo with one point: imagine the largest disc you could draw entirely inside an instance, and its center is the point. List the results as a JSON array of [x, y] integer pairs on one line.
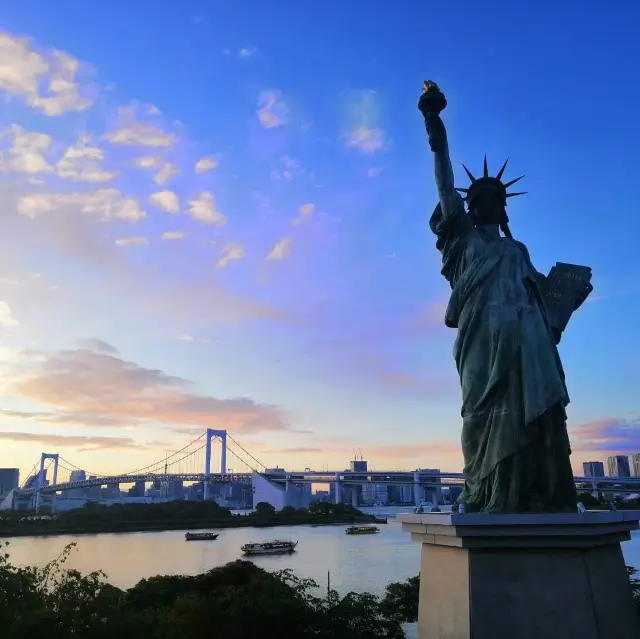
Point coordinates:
[[207, 460]]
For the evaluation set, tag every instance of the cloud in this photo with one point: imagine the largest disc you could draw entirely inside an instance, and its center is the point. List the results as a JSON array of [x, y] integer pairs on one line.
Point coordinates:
[[246, 52], [363, 132], [26, 154], [205, 164], [83, 163], [203, 209], [146, 162], [281, 250], [94, 344], [75, 441], [6, 315], [288, 169], [95, 386], [139, 134], [272, 111], [46, 80], [185, 337], [137, 240], [103, 204], [609, 435], [173, 235], [166, 172], [304, 213], [165, 200], [229, 253], [365, 139]]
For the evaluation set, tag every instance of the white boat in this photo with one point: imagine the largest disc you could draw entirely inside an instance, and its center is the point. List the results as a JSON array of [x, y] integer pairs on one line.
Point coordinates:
[[275, 547]]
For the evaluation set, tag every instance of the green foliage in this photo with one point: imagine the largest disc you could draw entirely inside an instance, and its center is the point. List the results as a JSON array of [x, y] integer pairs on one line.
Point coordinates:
[[401, 599], [635, 584], [328, 509], [264, 509], [238, 600]]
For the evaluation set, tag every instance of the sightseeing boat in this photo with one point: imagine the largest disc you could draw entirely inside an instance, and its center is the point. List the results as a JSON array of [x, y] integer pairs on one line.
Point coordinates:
[[275, 547], [362, 530], [203, 536]]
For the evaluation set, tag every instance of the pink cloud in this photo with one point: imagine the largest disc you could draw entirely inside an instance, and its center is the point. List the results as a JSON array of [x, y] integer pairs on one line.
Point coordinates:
[[95, 387]]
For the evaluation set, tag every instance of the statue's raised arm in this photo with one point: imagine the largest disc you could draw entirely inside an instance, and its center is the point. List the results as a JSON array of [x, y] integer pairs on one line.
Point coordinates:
[[432, 103]]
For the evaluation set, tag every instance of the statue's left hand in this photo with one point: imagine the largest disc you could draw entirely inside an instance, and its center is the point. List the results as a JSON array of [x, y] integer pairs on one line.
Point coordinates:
[[582, 296]]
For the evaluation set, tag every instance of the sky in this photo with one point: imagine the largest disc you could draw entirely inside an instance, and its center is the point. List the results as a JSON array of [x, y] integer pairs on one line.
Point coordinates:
[[215, 214]]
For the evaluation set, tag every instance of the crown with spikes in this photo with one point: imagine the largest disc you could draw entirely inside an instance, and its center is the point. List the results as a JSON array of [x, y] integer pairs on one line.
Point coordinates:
[[487, 184]]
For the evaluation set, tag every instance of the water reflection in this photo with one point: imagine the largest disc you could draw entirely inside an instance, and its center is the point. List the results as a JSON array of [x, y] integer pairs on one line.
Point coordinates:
[[358, 563]]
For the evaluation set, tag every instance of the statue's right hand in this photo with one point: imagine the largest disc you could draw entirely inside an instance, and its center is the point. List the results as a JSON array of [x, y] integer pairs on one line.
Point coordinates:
[[432, 103]]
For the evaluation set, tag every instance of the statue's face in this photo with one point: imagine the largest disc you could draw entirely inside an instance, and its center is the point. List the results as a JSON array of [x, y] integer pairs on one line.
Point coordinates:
[[489, 208]]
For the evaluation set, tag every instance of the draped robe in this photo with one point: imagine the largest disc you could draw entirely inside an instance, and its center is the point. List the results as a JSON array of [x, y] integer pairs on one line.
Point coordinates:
[[514, 435]]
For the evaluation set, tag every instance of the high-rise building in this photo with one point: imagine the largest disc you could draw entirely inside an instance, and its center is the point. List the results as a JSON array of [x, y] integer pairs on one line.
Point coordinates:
[[77, 475], [9, 479], [618, 466], [635, 464], [593, 469], [359, 466]]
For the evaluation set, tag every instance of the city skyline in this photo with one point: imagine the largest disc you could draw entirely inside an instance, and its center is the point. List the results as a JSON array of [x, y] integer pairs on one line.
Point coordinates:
[[228, 228]]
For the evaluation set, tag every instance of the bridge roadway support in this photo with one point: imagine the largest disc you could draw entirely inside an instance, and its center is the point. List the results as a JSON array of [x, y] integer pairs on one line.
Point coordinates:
[[418, 490], [42, 477], [212, 434], [337, 489], [551, 576]]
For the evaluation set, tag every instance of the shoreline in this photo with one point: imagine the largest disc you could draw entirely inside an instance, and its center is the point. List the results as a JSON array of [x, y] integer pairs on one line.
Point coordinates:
[[50, 529]]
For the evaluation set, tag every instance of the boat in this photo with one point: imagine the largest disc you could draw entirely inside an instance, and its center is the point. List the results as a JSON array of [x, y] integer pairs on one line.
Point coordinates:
[[362, 530], [204, 536], [274, 547], [379, 520]]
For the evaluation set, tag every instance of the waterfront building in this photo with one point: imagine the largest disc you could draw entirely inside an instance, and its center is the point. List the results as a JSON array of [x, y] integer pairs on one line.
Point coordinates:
[[9, 480], [77, 475], [618, 466], [593, 469], [635, 464], [93, 492]]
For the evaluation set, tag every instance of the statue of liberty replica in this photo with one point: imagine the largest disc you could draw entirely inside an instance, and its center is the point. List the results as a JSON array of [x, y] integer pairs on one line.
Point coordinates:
[[509, 319]]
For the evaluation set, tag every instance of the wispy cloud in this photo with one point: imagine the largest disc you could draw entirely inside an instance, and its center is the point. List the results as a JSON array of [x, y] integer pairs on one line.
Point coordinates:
[[205, 164], [230, 252], [363, 130], [139, 134], [46, 79], [173, 235], [246, 52], [136, 240], [272, 110], [304, 213], [92, 386], [102, 204], [280, 250], [609, 435], [166, 201], [77, 442], [204, 209]]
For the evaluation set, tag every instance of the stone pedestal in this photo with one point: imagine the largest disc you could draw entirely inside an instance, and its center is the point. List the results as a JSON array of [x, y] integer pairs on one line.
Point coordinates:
[[556, 576]]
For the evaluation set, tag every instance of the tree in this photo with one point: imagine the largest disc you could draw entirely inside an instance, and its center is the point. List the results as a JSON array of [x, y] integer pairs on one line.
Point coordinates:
[[401, 599], [264, 509]]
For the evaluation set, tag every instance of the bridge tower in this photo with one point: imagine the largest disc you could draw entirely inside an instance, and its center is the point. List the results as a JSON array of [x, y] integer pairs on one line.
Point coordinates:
[[41, 478], [212, 434]]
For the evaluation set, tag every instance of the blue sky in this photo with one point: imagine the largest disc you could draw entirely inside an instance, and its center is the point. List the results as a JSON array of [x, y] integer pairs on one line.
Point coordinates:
[[215, 213]]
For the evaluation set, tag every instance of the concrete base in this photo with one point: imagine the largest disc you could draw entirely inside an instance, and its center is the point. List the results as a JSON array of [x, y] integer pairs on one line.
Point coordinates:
[[556, 576]]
